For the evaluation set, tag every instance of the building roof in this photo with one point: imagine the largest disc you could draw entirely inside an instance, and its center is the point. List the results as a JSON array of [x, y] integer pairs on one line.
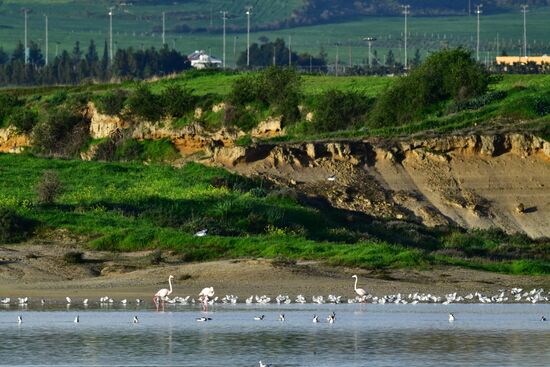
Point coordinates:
[[511, 60]]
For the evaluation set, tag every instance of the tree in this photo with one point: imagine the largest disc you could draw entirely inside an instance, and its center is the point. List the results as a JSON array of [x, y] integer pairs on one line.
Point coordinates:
[[448, 74], [390, 58]]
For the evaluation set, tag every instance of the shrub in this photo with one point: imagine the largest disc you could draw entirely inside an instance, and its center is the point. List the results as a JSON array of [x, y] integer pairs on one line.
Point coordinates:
[[62, 133], [112, 102], [23, 120], [13, 228], [447, 74], [73, 258], [143, 103], [128, 150], [48, 188], [477, 102], [155, 257], [177, 101], [7, 103], [541, 105], [338, 110], [276, 88], [58, 97]]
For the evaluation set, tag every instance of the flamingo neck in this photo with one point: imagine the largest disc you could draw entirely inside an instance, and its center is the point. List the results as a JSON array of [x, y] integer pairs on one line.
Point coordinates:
[[355, 286], [170, 282]]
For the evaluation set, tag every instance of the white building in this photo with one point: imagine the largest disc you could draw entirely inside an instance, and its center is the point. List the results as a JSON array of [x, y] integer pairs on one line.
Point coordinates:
[[201, 60]]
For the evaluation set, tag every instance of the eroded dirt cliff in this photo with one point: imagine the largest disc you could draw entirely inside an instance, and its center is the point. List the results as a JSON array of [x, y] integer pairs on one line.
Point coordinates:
[[476, 181]]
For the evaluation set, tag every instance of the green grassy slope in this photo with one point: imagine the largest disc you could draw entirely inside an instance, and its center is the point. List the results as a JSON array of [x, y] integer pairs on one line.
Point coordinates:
[[127, 207]]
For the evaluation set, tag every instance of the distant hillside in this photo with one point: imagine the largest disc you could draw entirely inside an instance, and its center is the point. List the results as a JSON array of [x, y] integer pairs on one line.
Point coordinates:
[[316, 11]]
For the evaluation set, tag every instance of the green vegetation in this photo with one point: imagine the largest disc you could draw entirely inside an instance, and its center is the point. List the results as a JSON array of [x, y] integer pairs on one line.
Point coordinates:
[[129, 207], [13, 227], [446, 75]]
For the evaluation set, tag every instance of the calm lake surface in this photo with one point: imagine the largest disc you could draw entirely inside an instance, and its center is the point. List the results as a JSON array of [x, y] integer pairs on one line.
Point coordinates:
[[363, 335]]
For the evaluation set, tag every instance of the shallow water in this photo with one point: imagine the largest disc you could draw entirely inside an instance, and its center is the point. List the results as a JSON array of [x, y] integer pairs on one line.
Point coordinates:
[[363, 335]]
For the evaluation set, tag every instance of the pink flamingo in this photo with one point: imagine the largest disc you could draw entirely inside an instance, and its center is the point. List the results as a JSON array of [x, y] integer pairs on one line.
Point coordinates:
[[163, 294], [204, 295]]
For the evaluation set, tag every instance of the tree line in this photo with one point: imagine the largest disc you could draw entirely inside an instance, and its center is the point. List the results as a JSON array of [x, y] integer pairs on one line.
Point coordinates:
[[81, 65]]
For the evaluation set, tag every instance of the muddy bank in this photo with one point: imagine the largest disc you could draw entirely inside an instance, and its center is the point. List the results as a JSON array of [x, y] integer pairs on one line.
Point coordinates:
[[38, 271]]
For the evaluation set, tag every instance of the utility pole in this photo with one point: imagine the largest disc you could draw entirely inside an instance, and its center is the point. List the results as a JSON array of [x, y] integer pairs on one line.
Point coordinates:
[[349, 56], [406, 12], [46, 59], [289, 51], [337, 59], [478, 12], [111, 33], [248, 13], [524, 10], [224, 17], [163, 28], [370, 40], [498, 45], [26, 37], [235, 52]]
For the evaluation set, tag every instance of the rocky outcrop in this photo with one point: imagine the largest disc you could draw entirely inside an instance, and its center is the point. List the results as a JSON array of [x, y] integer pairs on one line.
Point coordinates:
[[12, 142], [470, 181], [187, 139], [103, 126], [268, 128]]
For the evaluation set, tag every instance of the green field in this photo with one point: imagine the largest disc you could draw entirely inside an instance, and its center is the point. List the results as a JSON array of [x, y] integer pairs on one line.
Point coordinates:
[[138, 26], [129, 207]]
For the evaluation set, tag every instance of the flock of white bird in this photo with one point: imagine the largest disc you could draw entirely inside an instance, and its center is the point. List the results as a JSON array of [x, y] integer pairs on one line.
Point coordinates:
[[207, 297]]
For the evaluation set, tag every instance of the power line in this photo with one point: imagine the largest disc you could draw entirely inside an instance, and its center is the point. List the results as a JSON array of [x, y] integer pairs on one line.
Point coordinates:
[[248, 13], [224, 17], [406, 12], [524, 10], [478, 12]]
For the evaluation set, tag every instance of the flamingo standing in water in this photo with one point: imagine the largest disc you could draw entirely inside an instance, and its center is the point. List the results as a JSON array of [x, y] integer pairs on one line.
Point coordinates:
[[360, 291], [205, 295], [163, 294]]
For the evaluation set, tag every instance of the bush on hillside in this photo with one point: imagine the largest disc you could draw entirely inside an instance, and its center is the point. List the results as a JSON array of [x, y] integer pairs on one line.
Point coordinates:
[[177, 101], [13, 227], [48, 188], [339, 110], [275, 88], [112, 102], [7, 103], [445, 75], [143, 103], [23, 120]]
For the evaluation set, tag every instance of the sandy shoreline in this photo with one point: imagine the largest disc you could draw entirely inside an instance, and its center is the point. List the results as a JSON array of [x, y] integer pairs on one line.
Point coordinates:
[[250, 277]]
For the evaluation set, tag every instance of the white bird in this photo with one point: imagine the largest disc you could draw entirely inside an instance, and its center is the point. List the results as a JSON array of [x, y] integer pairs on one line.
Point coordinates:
[[85, 302], [205, 295], [543, 318], [259, 318], [201, 233], [451, 317], [43, 301], [19, 319], [282, 317], [124, 301], [331, 318], [135, 320], [139, 301], [203, 319], [163, 293], [265, 364], [315, 319], [68, 299], [331, 178], [360, 291], [76, 319]]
